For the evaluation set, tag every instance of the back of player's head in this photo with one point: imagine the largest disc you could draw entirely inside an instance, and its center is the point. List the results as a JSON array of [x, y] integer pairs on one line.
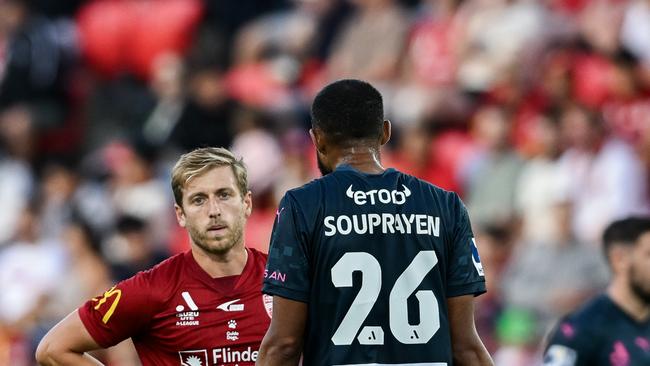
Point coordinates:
[[199, 161], [348, 110], [625, 232]]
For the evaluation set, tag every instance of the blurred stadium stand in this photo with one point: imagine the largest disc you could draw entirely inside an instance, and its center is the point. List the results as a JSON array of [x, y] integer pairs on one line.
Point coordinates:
[[537, 112]]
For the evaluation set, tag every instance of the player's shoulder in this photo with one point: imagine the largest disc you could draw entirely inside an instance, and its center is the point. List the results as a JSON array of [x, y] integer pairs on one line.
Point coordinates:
[[258, 257], [309, 189], [448, 199], [593, 310], [434, 189], [164, 275], [590, 317]]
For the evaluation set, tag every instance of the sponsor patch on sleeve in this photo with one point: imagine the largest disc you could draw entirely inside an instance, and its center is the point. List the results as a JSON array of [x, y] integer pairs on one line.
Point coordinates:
[[476, 259], [558, 355]]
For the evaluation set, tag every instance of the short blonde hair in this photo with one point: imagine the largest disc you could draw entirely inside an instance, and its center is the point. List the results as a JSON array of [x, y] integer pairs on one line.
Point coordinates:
[[199, 161]]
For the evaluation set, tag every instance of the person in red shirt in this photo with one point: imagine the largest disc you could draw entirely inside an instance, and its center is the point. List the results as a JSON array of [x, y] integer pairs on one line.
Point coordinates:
[[203, 307]]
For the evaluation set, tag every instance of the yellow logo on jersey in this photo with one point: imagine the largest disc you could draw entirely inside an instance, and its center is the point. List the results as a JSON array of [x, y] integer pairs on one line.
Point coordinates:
[[108, 294]]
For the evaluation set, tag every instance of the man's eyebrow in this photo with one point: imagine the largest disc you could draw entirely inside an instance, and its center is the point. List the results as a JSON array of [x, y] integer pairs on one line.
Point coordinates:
[[195, 194]]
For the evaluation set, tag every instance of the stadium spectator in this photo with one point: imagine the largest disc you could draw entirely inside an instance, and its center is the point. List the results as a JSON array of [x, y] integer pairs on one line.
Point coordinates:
[[593, 171], [31, 270], [370, 44], [492, 175], [16, 175], [537, 188]]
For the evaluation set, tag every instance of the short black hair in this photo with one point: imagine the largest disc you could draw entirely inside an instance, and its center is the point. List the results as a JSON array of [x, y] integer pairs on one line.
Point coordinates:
[[347, 110], [625, 232]]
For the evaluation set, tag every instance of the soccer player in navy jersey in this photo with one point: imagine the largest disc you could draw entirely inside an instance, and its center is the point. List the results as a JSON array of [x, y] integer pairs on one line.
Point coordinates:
[[613, 329], [199, 308], [367, 265]]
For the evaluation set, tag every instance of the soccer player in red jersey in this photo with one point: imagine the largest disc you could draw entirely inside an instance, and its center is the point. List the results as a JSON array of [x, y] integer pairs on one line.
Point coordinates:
[[199, 308]]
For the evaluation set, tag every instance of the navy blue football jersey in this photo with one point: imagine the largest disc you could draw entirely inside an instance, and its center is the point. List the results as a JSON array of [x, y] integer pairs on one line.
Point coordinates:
[[599, 334], [375, 256]]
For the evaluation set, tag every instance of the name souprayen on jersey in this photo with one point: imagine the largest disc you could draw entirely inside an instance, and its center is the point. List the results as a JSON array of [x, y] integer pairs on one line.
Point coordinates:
[[375, 256], [600, 333], [176, 314]]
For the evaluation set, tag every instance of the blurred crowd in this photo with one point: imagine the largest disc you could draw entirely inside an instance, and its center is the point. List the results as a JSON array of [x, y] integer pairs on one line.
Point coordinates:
[[537, 112]]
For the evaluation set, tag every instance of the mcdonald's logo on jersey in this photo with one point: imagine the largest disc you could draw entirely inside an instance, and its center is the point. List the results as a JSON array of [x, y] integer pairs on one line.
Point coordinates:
[[115, 295]]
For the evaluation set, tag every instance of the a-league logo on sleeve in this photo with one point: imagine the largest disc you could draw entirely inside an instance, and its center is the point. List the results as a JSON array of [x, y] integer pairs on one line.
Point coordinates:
[[476, 259]]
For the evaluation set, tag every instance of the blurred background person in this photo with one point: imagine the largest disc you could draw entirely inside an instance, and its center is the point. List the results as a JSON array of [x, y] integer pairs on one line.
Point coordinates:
[[613, 327], [536, 112]]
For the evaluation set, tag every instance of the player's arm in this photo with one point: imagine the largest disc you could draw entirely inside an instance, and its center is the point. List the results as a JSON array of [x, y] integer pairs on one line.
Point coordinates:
[[66, 344], [565, 348], [282, 344], [467, 348]]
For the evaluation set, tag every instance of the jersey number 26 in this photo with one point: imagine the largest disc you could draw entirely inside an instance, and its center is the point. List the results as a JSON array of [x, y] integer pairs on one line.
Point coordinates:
[[404, 286]]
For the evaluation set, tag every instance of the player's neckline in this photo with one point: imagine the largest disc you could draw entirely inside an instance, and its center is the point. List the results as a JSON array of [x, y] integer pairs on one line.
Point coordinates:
[[348, 167]]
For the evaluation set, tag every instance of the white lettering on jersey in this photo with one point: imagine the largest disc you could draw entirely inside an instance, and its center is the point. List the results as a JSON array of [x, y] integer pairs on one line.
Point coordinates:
[[378, 195], [384, 223], [187, 318], [226, 355]]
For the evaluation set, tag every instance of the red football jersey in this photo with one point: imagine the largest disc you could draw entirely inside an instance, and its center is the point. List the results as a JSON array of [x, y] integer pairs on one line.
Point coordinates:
[[176, 314]]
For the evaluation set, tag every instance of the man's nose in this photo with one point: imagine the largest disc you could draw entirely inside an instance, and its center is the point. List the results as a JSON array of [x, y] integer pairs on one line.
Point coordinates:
[[214, 208]]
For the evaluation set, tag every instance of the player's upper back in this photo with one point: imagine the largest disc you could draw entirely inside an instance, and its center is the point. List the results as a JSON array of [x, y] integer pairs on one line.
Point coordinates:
[[404, 236], [348, 210]]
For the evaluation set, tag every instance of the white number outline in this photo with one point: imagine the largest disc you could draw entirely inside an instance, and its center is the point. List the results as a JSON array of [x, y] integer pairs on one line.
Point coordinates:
[[403, 287]]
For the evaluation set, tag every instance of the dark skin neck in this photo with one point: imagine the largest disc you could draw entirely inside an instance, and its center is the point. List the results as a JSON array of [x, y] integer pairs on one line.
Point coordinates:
[[362, 158], [362, 155]]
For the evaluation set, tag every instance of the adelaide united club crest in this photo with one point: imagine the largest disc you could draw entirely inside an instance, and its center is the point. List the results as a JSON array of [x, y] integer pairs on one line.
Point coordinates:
[[268, 304]]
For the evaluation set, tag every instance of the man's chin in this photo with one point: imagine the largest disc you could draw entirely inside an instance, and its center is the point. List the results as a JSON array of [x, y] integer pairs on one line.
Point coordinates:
[[215, 247]]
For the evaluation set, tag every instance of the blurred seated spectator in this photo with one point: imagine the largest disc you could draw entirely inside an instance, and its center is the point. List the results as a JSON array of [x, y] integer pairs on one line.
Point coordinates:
[[31, 271], [627, 111], [207, 118], [437, 157], [370, 46], [538, 188], [490, 178], [635, 30], [551, 279], [601, 176], [494, 36], [130, 249], [39, 55], [430, 61], [16, 176], [136, 192]]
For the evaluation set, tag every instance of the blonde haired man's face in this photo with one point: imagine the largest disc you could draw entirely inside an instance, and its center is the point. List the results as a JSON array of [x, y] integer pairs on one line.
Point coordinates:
[[214, 212]]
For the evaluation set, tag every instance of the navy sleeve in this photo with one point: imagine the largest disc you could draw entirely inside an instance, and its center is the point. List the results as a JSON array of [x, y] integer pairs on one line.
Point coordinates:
[[287, 270], [465, 271], [569, 345]]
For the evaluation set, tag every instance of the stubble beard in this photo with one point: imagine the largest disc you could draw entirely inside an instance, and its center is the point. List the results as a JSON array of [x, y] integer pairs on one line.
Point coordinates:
[[234, 237], [636, 284], [321, 166]]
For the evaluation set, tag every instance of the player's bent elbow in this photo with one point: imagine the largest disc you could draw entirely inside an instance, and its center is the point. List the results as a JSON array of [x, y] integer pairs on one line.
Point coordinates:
[[472, 356], [284, 348], [46, 352]]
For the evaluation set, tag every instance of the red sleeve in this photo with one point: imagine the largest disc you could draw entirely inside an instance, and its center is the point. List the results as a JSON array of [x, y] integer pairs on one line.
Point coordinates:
[[121, 312]]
